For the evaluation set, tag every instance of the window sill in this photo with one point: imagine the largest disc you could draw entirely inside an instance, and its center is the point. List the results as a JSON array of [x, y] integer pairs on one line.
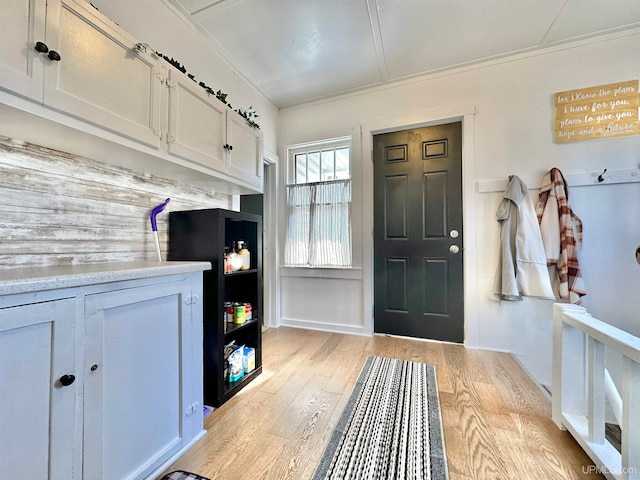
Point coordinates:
[[352, 273]]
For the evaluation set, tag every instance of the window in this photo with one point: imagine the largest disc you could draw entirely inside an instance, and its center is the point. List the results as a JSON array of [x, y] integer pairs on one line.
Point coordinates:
[[319, 205]]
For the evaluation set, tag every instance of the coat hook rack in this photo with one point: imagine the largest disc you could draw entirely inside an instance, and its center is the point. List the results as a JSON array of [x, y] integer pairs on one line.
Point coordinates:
[[601, 176], [577, 179]]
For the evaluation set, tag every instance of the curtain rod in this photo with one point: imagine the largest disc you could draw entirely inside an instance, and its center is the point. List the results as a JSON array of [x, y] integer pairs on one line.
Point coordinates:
[[324, 182]]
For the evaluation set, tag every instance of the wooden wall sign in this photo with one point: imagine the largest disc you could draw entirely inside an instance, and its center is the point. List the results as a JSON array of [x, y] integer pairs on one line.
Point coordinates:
[[597, 112]]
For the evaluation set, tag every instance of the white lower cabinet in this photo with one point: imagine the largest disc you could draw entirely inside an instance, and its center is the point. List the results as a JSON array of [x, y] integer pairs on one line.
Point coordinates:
[[137, 400], [103, 385], [37, 412]]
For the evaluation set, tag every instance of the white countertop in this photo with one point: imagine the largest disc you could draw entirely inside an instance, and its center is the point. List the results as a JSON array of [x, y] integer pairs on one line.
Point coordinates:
[[27, 280]]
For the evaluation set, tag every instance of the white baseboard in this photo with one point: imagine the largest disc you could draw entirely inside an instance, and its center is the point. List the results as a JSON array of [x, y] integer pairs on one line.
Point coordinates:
[[324, 327], [488, 349]]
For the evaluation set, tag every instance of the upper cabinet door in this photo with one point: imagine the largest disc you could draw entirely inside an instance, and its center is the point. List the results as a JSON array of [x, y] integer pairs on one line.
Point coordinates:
[[98, 75], [245, 151], [22, 25], [196, 123]]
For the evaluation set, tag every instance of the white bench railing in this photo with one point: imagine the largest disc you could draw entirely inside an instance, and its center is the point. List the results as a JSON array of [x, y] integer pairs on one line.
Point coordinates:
[[580, 381]]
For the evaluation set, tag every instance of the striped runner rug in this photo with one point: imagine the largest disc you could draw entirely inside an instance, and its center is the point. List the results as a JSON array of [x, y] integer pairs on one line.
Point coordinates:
[[391, 427]]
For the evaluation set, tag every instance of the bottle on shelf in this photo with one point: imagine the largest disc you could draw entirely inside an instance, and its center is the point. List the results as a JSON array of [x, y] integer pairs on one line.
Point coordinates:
[[226, 265], [244, 254], [234, 260]]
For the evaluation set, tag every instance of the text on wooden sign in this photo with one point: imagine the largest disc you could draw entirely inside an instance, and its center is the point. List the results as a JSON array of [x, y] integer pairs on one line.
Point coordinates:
[[597, 112]]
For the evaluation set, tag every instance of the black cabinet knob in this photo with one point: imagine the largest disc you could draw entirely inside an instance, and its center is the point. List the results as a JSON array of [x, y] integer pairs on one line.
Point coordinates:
[[53, 55], [41, 47], [67, 380], [227, 146], [230, 147]]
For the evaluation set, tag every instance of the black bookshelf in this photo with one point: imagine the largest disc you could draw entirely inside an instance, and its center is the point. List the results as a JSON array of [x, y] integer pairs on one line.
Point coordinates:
[[202, 235]]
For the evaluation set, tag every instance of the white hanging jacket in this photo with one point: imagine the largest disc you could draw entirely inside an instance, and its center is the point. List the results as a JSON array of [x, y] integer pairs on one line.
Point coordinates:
[[522, 264]]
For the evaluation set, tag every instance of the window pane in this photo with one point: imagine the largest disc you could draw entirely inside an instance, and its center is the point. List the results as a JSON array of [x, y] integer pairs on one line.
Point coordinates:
[[313, 172], [301, 168], [342, 163], [319, 205], [328, 165]]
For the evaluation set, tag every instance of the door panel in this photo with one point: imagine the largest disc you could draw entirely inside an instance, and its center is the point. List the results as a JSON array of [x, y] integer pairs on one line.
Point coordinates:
[[395, 206], [435, 274], [434, 205], [396, 276], [418, 288]]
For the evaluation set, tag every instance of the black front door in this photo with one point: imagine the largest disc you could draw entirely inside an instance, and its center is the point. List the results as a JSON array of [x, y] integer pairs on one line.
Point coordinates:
[[418, 285]]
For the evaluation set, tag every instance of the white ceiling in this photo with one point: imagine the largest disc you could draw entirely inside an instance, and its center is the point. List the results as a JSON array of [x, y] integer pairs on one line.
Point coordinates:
[[300, 50]]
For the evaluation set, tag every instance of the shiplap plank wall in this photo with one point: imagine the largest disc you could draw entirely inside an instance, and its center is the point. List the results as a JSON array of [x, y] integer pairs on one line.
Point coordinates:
[[62, 209]]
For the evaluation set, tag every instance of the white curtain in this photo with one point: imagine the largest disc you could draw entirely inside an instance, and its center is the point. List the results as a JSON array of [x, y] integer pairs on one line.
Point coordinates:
[[319, 224]]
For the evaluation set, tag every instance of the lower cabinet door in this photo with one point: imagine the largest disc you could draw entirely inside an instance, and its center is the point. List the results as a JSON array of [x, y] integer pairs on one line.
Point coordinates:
[[38, 391], [133, 415]]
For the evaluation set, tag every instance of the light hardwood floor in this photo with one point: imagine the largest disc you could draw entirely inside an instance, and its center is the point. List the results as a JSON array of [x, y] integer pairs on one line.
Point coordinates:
[[497, 423]]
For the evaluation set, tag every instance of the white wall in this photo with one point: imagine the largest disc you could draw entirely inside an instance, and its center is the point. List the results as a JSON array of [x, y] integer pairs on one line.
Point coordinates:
[[324, 299], [513, 127], [160, 25]]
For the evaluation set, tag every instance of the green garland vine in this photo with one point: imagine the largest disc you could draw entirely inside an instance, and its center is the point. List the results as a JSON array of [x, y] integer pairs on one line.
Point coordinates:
[[248, 114]]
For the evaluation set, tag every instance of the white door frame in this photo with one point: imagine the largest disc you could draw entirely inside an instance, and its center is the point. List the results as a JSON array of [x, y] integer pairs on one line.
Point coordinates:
[[270, 258], [465, 114]]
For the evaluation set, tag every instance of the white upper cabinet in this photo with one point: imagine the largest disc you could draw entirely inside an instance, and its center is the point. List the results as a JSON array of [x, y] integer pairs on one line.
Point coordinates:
[[85, 66], [92, 72], [196, 123], [244, 150], [203, 129], [21, 26], [99, 76]]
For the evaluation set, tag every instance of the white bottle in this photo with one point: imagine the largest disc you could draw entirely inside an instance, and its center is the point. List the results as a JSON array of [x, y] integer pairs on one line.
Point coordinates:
[[245, 255], [235, 260]]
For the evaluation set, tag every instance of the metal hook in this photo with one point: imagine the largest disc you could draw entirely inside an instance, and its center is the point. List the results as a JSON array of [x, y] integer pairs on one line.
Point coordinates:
[[601, 176]]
